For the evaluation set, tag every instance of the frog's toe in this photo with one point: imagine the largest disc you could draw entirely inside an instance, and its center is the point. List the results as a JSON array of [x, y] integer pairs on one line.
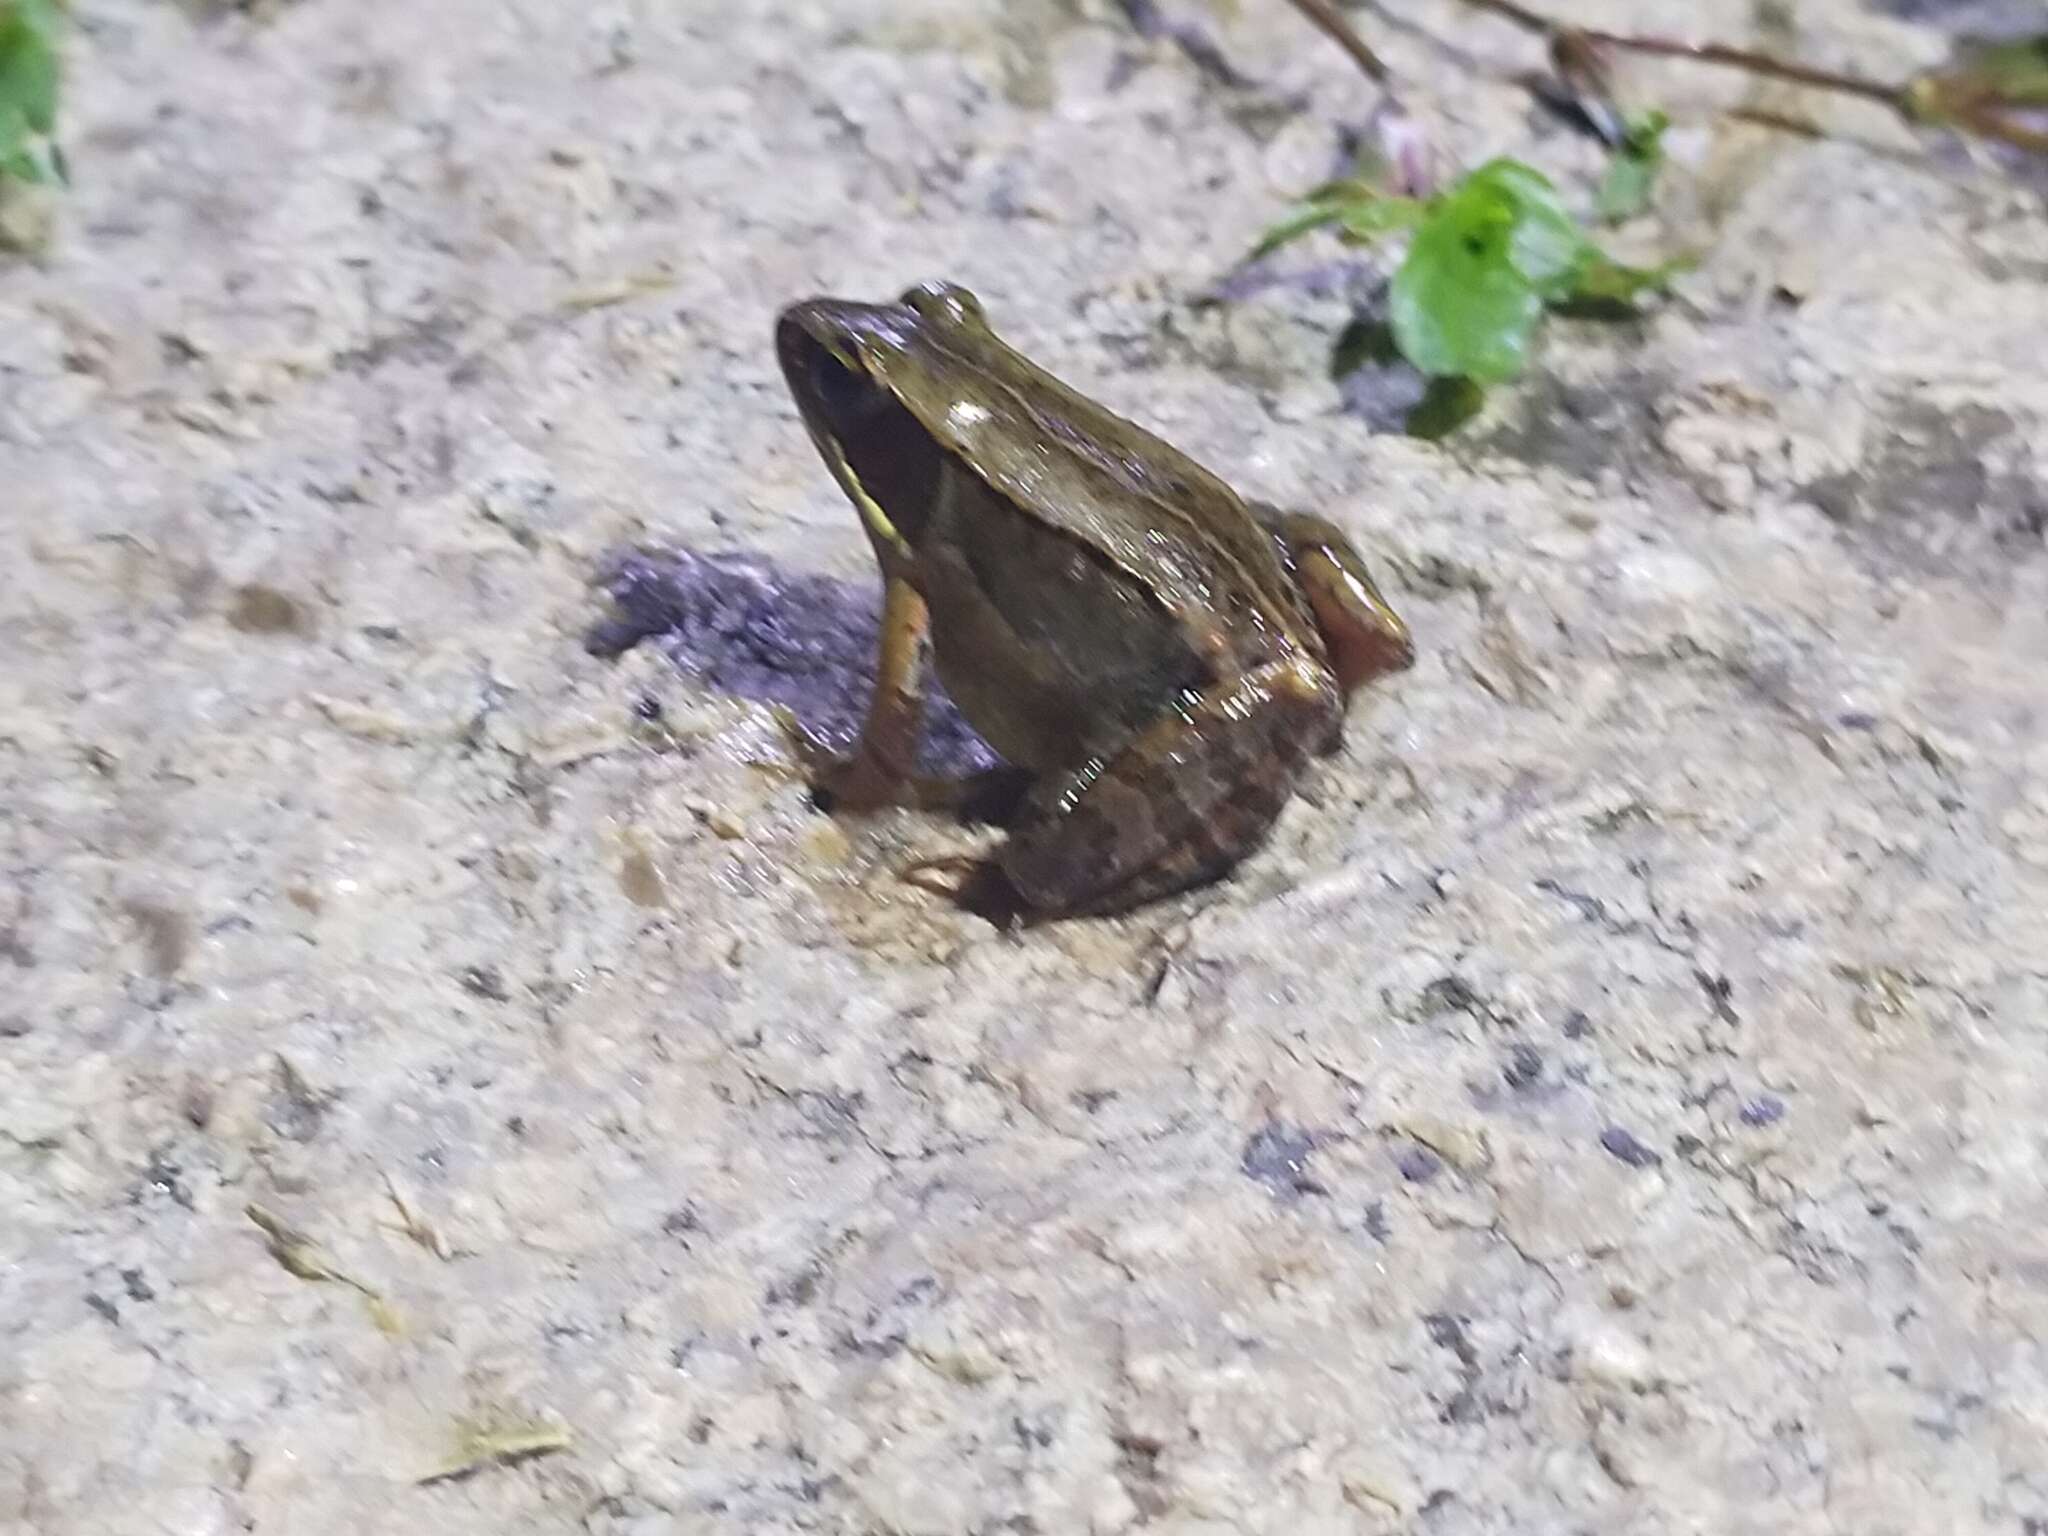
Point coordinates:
[[987, 893], [974, 883]]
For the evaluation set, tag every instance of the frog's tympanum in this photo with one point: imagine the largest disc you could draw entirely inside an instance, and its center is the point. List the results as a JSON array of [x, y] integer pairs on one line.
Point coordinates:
[[1160, 656]]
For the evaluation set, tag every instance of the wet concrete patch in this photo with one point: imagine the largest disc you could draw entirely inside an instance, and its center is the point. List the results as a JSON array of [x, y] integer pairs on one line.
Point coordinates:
[[1943, 488], [1585, 428]]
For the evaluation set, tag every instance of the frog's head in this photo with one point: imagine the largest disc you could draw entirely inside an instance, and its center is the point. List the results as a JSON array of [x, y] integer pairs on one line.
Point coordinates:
[[863, 376], [845, 358]]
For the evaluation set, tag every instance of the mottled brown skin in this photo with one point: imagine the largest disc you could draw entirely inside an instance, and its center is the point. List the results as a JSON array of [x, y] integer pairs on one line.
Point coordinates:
[[1159, 655]]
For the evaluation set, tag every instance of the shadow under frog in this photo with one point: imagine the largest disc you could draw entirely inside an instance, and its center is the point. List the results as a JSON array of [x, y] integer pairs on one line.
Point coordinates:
[[741, 625]]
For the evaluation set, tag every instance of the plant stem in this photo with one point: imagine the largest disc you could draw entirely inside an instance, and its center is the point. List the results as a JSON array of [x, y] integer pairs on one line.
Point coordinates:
[[1994, 125], [1324, 14], [1704, 53], [1756, 64]]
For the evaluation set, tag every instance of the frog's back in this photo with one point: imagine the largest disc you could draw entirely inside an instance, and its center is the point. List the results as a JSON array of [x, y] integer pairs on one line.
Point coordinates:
[[1174, 530], [1048, 649]]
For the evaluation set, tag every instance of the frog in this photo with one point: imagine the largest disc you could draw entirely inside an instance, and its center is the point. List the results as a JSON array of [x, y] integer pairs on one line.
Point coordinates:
[[1156, 658]]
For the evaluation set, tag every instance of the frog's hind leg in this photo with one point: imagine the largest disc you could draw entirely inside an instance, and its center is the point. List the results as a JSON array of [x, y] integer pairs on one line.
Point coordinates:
[[1176, 805]]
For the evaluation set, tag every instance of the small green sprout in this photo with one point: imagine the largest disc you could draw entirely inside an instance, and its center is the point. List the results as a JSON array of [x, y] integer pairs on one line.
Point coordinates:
[[1488, 256], [1632, 173]]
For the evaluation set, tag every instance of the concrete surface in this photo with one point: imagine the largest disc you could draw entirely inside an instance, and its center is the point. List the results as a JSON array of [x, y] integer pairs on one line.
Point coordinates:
[[1612, 1105]]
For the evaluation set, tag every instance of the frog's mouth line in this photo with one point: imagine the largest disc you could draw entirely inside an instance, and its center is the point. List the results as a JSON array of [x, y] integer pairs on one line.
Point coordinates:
[[888, 463]]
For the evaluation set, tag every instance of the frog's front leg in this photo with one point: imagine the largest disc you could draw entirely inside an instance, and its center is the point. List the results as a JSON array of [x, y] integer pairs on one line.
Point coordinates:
[[882, 768], [1177, 804]]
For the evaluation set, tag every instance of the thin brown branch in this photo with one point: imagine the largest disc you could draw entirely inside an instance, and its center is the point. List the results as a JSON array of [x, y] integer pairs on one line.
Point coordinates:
[[1756, 64], [1704, 53], [1324, 14], [1520, 15], [1992, 124]]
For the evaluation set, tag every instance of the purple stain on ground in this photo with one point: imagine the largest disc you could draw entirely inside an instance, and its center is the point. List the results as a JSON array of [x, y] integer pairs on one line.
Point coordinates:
[[1624, 1145], [1417, 1163], [1764, 1109], [739, 624]]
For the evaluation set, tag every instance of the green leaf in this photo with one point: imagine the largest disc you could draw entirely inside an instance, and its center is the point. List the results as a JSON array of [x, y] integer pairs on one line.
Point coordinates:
[[46, 16], [28, 62], [37, 164], [1625, 189], [1489, 253], [1458, 307], [1545, 242]]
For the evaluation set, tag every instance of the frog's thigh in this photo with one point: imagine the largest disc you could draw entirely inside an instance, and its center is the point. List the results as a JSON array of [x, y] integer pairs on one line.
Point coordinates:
[[1178, 804], [1366, 638], [880, 770]]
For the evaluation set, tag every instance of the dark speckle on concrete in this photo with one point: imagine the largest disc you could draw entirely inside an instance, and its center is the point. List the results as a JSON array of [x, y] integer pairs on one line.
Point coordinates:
[[165, 1176], [1524, 1067], [484, 981], [1417, 1163], [795, 1290], [683, 1223], [1449, 994], [1277, 1156], [1764, 1109], [167, 933], [1448, 1333], [1623, 1144]]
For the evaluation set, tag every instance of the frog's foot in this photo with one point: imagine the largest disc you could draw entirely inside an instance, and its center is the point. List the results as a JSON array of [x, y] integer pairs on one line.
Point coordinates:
[[975, 883], [945, 873], [1176, 805], [880, 771], [861, 781], [865, 781]]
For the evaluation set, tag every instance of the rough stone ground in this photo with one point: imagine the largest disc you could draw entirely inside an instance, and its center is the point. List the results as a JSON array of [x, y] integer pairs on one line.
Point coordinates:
[[1613, 1104]]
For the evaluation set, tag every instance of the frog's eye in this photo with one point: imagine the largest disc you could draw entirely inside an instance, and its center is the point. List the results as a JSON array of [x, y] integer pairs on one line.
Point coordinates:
[[846, 393], [944, 301]]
